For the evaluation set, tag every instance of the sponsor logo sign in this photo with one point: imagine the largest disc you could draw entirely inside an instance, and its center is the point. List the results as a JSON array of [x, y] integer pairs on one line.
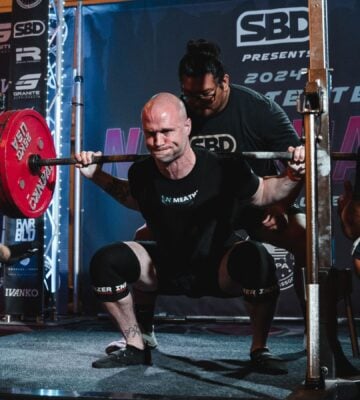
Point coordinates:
[[5, 35], [28, 54], [28, 28], [274, 26], [26, 87], [23, 292], [27, 4]]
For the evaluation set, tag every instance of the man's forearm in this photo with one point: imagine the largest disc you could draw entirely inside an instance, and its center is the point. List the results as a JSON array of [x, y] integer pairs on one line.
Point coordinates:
[[117, 188], [276, 189], [289, 200]]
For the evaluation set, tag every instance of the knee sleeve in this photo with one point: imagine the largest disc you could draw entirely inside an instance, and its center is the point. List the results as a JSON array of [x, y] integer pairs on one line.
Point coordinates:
[[111, 269], [251, 265]]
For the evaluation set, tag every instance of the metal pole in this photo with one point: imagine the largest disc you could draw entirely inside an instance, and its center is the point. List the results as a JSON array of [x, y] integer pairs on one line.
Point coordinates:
[[79, 108], [55, 209], [318, 208], [313, 376]]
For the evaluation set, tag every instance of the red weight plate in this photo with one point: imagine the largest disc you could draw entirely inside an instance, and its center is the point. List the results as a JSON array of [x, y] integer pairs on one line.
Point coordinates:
[[24, 193]]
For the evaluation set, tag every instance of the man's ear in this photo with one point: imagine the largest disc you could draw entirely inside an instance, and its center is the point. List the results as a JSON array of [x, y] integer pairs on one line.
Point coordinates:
[[224, 84], [188, 125]]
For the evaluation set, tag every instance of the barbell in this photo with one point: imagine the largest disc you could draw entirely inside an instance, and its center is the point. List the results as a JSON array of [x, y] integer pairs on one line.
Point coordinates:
[[35, 161], [28, 158]]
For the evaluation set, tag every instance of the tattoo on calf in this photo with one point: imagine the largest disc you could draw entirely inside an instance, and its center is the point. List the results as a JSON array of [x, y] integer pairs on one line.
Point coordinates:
[[132, 332]]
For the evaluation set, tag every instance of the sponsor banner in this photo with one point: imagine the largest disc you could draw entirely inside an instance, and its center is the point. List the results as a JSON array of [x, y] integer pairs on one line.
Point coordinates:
[[29, 55], [23, 281], [265, 46], [5, 48]]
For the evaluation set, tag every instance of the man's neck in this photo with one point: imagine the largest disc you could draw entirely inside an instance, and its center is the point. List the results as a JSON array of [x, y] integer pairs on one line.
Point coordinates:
[[180, 167], [225, 99]]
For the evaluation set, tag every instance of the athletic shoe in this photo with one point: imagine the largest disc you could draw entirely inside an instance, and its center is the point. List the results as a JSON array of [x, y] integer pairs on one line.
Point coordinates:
[[129, 355], [148, 337], [115, 345], [265, 362]]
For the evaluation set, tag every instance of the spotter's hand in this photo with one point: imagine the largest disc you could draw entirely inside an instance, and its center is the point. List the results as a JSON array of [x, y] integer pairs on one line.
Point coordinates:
[[296, 167]]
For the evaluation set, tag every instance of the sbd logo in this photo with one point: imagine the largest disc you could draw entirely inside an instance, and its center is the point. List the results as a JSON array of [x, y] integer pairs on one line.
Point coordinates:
[[279, 25], [29, 28]]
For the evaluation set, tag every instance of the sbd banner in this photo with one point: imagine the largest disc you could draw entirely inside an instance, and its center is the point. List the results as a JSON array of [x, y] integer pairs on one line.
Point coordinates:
[[23, 281], [5, 45]]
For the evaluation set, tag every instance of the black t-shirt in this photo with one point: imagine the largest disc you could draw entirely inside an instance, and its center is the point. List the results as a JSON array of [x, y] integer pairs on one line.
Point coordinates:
[[190, 218], [356, 253], [249, 122]]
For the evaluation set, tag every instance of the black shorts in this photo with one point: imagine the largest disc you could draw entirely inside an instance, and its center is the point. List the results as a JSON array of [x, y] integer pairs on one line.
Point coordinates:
[[202, 280]]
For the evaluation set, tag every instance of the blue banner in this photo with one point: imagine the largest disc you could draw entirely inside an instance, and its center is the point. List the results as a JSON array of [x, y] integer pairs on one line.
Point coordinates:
[[132, 51]]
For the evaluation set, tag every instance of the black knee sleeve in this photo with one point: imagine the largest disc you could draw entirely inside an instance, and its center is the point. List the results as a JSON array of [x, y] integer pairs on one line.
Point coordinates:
[[251, 265], [111, 269]]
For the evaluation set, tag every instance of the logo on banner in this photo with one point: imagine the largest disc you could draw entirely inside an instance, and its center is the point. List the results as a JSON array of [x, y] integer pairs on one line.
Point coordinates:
[[279, 25], [5, 34], [28, 28], [25, 230], [25, 87], [4, 85], [28, 55], [26, 4], [16, 292]]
